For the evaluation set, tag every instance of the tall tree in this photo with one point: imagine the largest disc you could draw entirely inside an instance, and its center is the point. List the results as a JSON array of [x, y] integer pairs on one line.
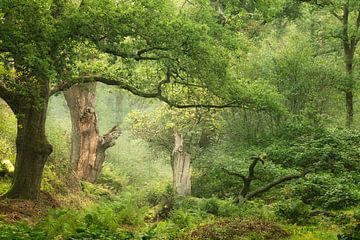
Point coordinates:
[[24, 42], [345, 16]]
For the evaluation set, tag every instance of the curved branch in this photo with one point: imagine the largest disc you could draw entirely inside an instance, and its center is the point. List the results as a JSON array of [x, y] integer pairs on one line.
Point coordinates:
[[63, 85], [138, 56], [273, 184], [237, 174], [108, 139], [11, 98]]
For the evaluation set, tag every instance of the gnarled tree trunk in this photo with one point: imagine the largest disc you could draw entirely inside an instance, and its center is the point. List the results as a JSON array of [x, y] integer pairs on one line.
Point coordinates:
[[181, 167], [32, 147], [88, 146]]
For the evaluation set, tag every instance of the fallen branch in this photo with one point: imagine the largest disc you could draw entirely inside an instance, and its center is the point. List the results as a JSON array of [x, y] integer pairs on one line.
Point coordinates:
[[267, 187], [245, 193]]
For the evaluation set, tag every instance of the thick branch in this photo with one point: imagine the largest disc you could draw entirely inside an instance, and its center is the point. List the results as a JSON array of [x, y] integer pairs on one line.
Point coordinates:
[[138, 56], [11, 98], [320, 4], [356, 37], [245, 193], [63, 85], [237, 174], [345, 32], [274, 183], [336, 15], [250, 176], [108, 139]]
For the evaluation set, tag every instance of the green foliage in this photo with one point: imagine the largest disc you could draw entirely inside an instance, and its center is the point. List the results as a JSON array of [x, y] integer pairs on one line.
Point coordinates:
[[111, 180], [311, 233], [135, 163], [352, 231], [5, 185], [334, 150], [58, 127], [227, 229], [294, 211], [329, 192], [7, 130], [213, 206], [159, 126], [99, 233], [104, 219], [20, 231], [94, 190]]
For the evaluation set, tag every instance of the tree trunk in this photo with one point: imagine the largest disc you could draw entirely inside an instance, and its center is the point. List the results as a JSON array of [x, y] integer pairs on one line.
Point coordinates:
[[349, 59], [349, 45], [349, 108], [32, 147], [181, 167], [87, 146]]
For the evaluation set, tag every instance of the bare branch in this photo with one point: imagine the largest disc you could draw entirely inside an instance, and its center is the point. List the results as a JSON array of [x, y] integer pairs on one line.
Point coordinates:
[[345, 33], [237, 174], [64, 85], [108, 139], [357, 29], [336, 15], [274, 183], [137, 56], [11, 98]]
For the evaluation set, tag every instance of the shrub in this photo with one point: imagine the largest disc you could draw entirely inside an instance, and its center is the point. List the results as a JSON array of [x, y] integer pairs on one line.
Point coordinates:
[[294, 211], [352, 231], [99, 233], [352, 234], [20, 231], [325, 190], [185, 219], [229, 229]]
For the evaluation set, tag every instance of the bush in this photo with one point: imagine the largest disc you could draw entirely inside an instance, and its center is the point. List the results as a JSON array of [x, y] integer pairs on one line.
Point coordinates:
[[98, 221], [221, 208], [110, 179], [294, 211], [20, 231], [228, 229], [352, 234], [329, 192], [99, 233], [186, 219], [352, 231], [332, 150]]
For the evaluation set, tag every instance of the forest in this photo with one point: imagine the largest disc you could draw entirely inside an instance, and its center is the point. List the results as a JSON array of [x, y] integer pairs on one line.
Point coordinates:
[[179, 119]]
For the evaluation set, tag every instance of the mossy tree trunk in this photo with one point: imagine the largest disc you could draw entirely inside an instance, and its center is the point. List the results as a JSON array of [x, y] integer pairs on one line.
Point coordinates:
[[88, 146], [32, 147]]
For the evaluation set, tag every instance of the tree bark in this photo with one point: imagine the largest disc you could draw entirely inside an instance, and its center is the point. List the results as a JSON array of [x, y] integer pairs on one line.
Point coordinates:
[[349, 108], [87, 146], [274, 183], [32, 147], [349, 44], [181, 167], [349, 59]]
